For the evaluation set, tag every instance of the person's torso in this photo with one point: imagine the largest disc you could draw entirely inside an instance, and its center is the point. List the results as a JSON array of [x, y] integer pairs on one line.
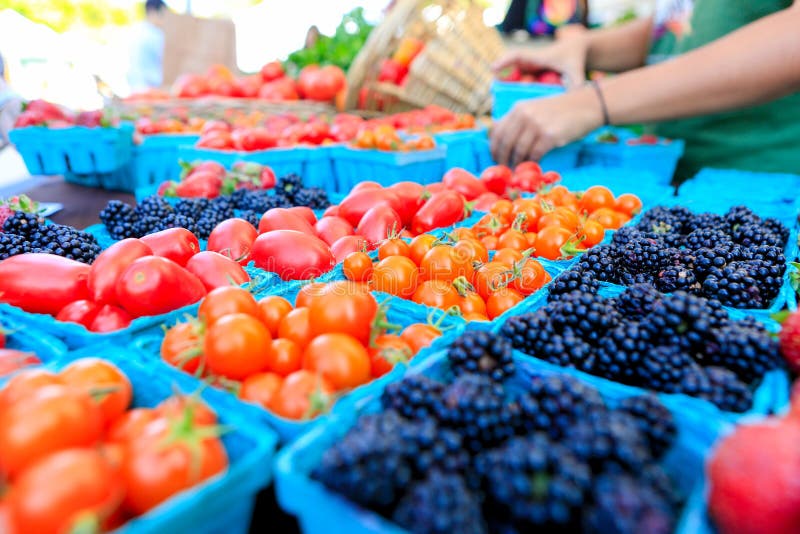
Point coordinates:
[[762, 137], [543, 17]]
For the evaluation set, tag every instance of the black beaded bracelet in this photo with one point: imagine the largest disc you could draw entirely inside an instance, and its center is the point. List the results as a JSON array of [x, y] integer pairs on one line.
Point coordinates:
[[602, 99]]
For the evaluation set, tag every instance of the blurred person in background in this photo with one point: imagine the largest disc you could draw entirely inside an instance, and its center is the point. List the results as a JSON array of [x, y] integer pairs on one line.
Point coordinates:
[[147, 53], [10, 105], [723, 75], [544, 17]]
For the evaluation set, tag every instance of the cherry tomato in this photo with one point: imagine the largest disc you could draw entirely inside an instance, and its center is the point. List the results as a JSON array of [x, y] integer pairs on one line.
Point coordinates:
[[340, 359], [303, 395], [551, 241], [182, 347], [445, 263], [386, 352], [491, 277], [344, 307], [24, 383], [508, 256], [226, 301], [92, 374], [273, 310], [396, 275], [529, 276], [490, 242], [496, 178], [470, 302], [175, 408], [420, 246], [285, 357], [296, 327], [237, 346], [393, 247], [308, 293], [357, 267], [501, 301], [596, 197], [347, 245], [591, 233], [437, 294], [82, 312], [130, 424], [628, 204], [513, 239], [473, 249], [420, 335], [260, 388], [108, 267], [608, 218]]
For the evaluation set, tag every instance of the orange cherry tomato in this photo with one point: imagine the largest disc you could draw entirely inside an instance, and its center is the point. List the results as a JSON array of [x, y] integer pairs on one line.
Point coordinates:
[[308, 293], [469, 317], [386, 352], [393, 247], [508, 256], [628, 204], [530, 237], [551, 240], [296, 327], [591, 233], [420, 335], [608, 218], [471, 303], [445, 263], [490, 242], [513, 239], [396, 275], [491, 225], [285, 358], [503, 207], [501, 301], [340, 359], [227, 300], [462, 233], [260, 388], [437, 294], [529, 276], [273, 310], [420, 246], [490, 277], [596, 197], [357, 266]]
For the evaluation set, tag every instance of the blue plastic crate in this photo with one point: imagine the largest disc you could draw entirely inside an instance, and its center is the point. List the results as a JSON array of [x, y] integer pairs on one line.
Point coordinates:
[[506, 94], [462, 148], [355, 165], [559, 159], [222, 504], [660, 159], [77, 152], [321, 510], [155, 160]]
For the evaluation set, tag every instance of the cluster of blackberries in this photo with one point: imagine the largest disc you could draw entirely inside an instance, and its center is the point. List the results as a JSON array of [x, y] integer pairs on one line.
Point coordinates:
[[503, 449], [27, 232], [201, 216], [677, 343], [736, 258]]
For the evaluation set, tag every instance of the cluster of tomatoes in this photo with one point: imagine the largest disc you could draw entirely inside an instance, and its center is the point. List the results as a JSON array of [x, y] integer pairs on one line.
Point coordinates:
[[453, 273], [76, 457], [292, 359], [556, 224], [514, 74], [209, 179], [386, 137], [133, 278], [395, 69], [43, 113], [497, 182]]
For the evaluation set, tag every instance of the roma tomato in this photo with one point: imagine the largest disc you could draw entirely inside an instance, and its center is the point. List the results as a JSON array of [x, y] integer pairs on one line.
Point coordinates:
[[339, 358], [215, 270], [386, 352], [176, 244], [437, 294], [13, 360], [442, 209], [345, 308], [396, 275], [65, 489], [81, 312], [237, 346], [110, 319], [303, 395], [357, 267], [296, 327], [420, 335], [304, 212], [52, 418], [154, 285], [283, 219], [227, 301], [91, 374], [260, 388], [109, 266], [42, 283], [182, 347], [286, 357], [464, 182], [379, 223], [485, 202], [496, 178], [358, 203], [273, 309], [411, 195], [347, 245], [233, 238], [292, 255], [331, 229]]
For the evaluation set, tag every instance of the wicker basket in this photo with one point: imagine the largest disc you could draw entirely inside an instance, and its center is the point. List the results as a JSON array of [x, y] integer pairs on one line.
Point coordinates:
[[452, 71]]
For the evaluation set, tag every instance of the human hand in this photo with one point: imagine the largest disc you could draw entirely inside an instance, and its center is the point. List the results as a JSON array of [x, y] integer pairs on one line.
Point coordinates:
[[567, 57], [535, 127]]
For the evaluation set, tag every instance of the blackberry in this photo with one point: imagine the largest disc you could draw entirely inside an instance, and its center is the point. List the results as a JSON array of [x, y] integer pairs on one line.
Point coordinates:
[[665, 221], [620, 352], [65, 241], [749, 351], [441, 504], [719, 386], [654, 421], [750, 235], [153, 206], [475, 407], [258, 201], [704, 221], [174, 220], [537, 482], [609, 441], [191, 207], [674, 279], [776, 227], [205, 225], [553, 403], [145, 225], [119, 219], [12, 245], [483, 353], [747, 284], [629, 234], [253, 217], [23, 224], [590, 316], [289, 185], [740, 215], [314, 197], [602, 262], [664, 369], [708, 259], [706, 238], [415, 397], [630, 279], [579, 280], [623, 504], [278, 201], [637, 301], [685, 321], [768, 253], [534, 335], [644, 256], [223, 206]]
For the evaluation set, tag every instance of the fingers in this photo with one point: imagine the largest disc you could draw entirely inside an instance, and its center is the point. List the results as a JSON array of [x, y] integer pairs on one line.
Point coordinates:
[[504, 138], [524, 145], [510, 59]]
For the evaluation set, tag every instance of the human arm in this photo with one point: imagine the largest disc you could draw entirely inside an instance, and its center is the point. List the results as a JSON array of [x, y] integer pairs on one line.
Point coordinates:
[[757, 63]]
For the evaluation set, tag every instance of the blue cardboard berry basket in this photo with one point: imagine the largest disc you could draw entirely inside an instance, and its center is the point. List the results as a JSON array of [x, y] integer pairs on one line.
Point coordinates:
[[321, 510], [155, 160], [225, 502], [462, 148], [506, 94], [354, 165], [559, 159], [27, 339], [659, 159]]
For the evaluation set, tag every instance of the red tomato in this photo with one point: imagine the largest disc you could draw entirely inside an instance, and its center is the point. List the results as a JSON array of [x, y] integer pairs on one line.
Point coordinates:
[[344, 307], [357, 203], [110, 319], [189, 86], [321, 84], [215, 270], [153, 286], [42, 283], [277, 90], [378, 223], [441, 209], [464, 182], [485, 202], [233, 238], [237, 346], [92, 374], [292, 255], [365, 186], [216, 141], [227, 301], [283, 219], [130, 424], [411, 195], [496, 178], [182, 346], [272, 71], [110, 264], [303, 395], [331, 229], [260, 388], [52, 418], [386, 352], [306, 213], [13, 360], [339, 358], [347, 245], [81, 312], [176, 244], [25, 383], [176, 408], [65, 489]]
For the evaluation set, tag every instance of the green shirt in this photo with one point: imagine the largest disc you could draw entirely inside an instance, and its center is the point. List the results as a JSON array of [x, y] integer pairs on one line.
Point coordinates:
[[762, 138]]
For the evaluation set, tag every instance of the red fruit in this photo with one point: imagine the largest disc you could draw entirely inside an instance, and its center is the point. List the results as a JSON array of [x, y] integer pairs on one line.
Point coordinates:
[[176, 244], [331, 229], [110, 319], [81, 312], [283, 219], [5, 213], [108, 267], [216, 270], [292, 255], [153, 286], [754, 484], [379, 223], [272, 71], [346, 245], [233, 238], [464, 182], [497, 178], [790, 341]]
